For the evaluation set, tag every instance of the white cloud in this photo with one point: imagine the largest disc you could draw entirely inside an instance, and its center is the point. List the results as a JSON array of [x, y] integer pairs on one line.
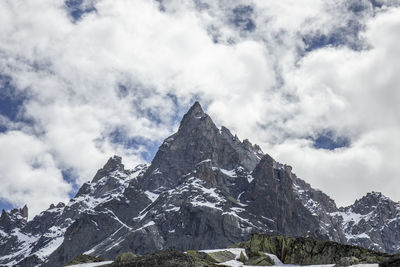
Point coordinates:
[[256, 83], [28, 173], [356, 94]]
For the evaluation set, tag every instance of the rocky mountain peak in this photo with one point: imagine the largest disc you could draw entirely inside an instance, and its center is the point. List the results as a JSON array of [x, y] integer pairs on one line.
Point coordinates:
[[197, 119], [371, 222], [205, 188], [372, 201], [199, 140], [59, 205], [24, 212], [113, 164], [376, 195], [196, 111], [111, 177], [13, 218]]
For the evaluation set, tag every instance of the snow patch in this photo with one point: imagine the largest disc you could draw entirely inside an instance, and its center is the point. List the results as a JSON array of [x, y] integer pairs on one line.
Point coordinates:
[[152, 196], [268, 219], [145, 226], [117, 219], [157, 171], [230, 173], [205, 204], [204, 161], [172, 209], [44, 252], [238, 198], [349, 216], [250, 178]]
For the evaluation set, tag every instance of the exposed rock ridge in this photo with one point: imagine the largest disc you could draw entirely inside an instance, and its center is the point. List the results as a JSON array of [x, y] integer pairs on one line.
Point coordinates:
[[204, 189], [15, 218], [306, 251], [113, 164], [198, 140]]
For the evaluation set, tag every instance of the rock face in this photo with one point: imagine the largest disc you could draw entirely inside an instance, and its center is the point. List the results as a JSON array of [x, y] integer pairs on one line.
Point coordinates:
[[373, 222], [15, 218], [392, 262], [258, 252], [306, 251], [166, 258], [84, 259], [204, 189]]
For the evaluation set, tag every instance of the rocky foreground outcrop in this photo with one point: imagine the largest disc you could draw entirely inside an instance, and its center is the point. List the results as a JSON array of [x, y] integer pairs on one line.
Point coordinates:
[[307, 251], [263, 250]]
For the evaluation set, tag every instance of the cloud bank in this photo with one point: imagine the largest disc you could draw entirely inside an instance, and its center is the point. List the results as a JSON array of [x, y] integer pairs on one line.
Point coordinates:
[[83, 80]]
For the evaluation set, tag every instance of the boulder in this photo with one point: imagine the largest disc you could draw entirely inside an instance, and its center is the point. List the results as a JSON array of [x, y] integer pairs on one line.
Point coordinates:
[[242, 257], [307, 251], [394, 261], [166, 258], [347, 261], [260, 260], [84, 259], [219, 256], [125, 257]]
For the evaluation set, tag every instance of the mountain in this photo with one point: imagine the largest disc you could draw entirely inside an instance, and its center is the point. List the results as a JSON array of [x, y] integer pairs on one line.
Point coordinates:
[[260, 250], [372, 222], [204, 189]]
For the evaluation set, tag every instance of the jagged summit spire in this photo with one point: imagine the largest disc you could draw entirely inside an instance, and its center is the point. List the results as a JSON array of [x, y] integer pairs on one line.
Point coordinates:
[[196, 110], [194, 116], [24, 212], [113, 163], [199, 140], [373, 196]]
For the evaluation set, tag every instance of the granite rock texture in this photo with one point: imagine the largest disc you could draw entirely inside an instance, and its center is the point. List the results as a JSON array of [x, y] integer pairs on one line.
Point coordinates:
[[204, 189]]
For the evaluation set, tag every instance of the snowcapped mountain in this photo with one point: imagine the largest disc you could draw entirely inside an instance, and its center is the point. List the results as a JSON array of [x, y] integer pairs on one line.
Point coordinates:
[[372, 222], [204, 189]]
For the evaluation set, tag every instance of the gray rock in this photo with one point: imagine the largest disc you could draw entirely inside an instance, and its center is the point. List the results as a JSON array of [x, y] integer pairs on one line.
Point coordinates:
[[204, 189]]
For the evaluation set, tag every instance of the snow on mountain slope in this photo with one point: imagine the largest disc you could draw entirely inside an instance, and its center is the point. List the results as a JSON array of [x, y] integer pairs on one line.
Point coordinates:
[[372, 221], [204, 189], [34, 240]]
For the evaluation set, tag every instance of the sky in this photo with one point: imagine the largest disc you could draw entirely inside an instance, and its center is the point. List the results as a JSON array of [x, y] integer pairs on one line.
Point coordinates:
[[314, 82]]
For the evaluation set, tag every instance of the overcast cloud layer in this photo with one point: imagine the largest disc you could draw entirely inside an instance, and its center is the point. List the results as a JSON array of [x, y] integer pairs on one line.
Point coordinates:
[[315, 83]]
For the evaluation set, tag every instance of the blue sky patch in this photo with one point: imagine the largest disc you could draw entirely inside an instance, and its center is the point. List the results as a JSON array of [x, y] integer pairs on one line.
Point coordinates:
[[329, 141], [357, 7], [343, 36], [70, 177], [6, 205], [10, 101], [77, 8], [376, 3], [242, 18], [118, 136]]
